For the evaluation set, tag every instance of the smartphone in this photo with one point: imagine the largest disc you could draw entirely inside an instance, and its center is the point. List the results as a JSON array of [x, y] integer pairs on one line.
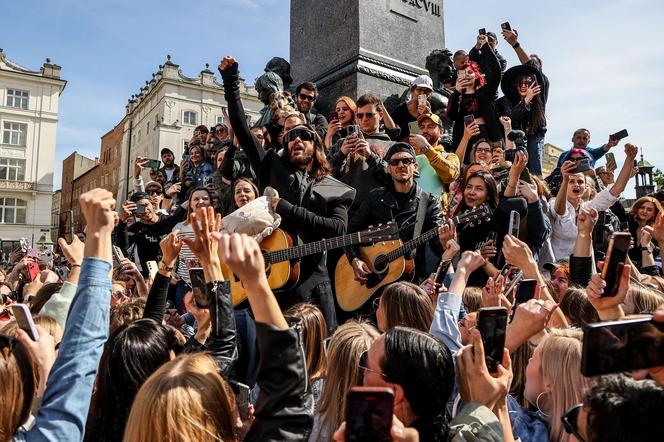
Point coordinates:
[[369, 416], [611, 164], [117, 254], [199, 287], [526, 291], [441, 272], [242, 400], [62, 272], [414, 127], [515, 221], [352, 129], [422, 100], [153, 268], [213, 131], [513, 282], [332, 116], [582, 165], [461, 75], [619, 135], [482, 31], [24, 320], [33, 271], [140, 209], [506, 26], [492, 323], [617, 346], [468, 120], [616, 254], [153, 164]]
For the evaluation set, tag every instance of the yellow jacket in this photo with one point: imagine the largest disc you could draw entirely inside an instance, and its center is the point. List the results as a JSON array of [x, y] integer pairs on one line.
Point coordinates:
[[446, 165]]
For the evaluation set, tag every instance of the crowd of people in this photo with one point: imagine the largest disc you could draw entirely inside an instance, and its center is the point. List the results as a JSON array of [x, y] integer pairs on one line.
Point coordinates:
[[130, 344]]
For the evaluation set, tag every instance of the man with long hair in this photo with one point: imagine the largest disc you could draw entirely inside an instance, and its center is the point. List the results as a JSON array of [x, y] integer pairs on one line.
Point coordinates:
[[312, 204]]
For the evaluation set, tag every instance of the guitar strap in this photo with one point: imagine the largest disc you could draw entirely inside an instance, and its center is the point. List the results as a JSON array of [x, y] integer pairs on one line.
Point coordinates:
[[422, 207]]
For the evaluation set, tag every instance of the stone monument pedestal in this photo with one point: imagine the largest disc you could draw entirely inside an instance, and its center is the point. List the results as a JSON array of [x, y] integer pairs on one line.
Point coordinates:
[[350, 47]]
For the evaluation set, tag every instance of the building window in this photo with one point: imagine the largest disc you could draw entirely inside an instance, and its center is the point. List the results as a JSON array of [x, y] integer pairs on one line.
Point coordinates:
[[16, 98], [12, 169], [14, 133], [12, 211], [221, 119], [189, 117]]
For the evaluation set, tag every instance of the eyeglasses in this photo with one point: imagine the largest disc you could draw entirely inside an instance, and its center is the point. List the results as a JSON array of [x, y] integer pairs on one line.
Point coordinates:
[[306, 97], [301, 133], [483, 150], [571, 421], [220, 131], [117, 294], [376, 303], [361, 115], [363, 364], [404, 161]]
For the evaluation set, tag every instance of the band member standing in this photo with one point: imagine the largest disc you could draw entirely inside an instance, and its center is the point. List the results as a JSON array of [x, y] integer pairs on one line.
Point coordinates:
[[312, 204]]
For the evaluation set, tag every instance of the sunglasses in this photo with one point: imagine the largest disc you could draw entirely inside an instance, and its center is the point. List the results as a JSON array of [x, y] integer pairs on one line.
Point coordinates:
[[305, 97], [360, 115], [155, 192], [363, 363], [220, 131], [301, 133], [404, 161], [577, 158], [571, 421]]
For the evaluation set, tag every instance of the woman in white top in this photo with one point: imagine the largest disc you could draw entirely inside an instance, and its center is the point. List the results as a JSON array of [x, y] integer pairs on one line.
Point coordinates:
[[566, 205]]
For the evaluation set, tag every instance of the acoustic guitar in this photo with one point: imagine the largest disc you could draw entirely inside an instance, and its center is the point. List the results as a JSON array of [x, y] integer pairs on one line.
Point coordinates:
[[387, 262], [282, 258]]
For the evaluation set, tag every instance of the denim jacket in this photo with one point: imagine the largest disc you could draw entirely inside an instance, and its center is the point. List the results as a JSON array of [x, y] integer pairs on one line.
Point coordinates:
[[198, 174], [66, 400]]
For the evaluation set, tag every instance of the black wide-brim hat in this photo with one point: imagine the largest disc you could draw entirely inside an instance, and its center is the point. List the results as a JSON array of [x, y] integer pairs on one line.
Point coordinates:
[[509, 84]]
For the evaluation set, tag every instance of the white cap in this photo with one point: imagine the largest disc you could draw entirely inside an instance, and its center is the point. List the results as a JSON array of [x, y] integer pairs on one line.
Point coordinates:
[[422, 81]]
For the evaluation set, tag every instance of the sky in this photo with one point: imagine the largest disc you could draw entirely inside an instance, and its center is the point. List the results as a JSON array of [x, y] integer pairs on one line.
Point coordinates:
[[604, 59]]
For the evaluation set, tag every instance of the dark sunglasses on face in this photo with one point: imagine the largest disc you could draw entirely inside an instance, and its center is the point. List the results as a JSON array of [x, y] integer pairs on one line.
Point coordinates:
[[404, 161], [155, 192], [360, 116], [305, 97], [302, 134], [571, 421], [577, 158]]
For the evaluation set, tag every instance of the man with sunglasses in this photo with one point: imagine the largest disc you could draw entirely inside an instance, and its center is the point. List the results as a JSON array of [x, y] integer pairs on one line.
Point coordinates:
[[357, 159], [312, 204], [398, 201], [306, 95]]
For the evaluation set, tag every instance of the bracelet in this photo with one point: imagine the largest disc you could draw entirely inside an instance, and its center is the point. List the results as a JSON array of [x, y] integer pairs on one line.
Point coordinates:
[[516, 45], [74, 265]]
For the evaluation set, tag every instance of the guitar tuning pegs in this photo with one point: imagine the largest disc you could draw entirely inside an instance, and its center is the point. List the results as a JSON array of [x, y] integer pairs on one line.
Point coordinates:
[[371, 226]]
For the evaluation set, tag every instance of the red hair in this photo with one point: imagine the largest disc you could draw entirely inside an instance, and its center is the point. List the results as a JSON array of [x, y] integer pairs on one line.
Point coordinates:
[[479, 78]]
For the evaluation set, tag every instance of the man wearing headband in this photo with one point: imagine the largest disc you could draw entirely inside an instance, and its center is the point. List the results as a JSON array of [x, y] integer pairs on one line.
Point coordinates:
[[312, 204], [398, 201]]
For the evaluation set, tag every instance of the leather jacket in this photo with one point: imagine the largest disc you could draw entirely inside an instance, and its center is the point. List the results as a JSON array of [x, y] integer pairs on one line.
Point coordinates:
[[284, 410], [381, 207]]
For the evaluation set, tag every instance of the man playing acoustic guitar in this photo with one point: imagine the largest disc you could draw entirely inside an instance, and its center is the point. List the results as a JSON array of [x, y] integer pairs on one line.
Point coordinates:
[[400, 202]]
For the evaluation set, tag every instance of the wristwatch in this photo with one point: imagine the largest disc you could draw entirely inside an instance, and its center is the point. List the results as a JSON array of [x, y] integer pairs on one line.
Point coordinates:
[[164, 267]]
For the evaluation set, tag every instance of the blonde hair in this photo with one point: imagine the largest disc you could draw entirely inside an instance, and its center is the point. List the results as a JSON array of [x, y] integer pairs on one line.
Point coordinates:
[[645, 299], [561, 358], [349, 341], [184, 400], [472, 299]]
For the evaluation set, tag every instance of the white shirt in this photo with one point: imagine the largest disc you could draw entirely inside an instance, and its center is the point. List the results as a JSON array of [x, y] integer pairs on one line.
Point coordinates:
[[565, 230]]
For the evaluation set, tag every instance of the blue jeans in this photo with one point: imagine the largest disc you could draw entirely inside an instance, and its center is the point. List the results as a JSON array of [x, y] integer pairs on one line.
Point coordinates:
[[535, 154]]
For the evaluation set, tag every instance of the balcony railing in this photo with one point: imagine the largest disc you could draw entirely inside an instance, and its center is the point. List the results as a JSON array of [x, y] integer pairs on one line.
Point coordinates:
[[16, 185]]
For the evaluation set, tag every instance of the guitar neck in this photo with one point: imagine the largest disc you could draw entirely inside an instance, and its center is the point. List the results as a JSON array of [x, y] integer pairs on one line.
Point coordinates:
[[412, 244], [313, 248]]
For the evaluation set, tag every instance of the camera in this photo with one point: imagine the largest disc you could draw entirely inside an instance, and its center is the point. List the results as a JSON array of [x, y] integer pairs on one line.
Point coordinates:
[[518, 137]]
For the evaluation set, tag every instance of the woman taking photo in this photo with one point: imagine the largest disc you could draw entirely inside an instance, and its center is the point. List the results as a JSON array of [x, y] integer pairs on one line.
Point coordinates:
[[643, 213], [346, 109]]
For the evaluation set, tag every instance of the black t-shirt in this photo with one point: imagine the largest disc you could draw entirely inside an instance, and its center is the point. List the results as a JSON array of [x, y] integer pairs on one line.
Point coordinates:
[[401, 118]]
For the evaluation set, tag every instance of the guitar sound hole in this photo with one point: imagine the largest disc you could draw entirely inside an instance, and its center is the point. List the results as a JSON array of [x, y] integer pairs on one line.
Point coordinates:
[[380, 266]]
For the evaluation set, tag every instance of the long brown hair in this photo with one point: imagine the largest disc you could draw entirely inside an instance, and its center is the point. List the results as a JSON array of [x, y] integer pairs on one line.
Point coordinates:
[[634, 210], [320, 168], [349, 341], [404, 303], [189, 386], [17, 387], [313, 330]]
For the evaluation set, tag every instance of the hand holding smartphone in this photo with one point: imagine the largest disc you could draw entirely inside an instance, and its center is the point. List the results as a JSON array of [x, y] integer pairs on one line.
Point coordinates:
[[369, 416], [515, 221], [616, 254], [619, 135], [506, 26], [414, 128], [24, 320], [492, 324], [199, 287]]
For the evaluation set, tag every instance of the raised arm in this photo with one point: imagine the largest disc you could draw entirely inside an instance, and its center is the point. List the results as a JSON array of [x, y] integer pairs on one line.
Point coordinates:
[[560, 204], [512, 39], [621, 182], [228, 68]]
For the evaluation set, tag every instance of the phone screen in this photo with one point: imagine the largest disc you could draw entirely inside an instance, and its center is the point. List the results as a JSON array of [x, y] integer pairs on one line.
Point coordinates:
[[24, 320], [526, 291], [506, 26], [617, 346], [611, 161], [414, 127], [140, 209], [369, 415], [154, 164], [468, 120], [242, 399], [492, 323], [199, 287], [515, 220], [583, 165], [616, 254]]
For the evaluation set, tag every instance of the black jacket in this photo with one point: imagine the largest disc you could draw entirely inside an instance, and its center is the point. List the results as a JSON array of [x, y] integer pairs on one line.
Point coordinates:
[[311, 210], [484, 97], [381, 206], [318, 121]]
